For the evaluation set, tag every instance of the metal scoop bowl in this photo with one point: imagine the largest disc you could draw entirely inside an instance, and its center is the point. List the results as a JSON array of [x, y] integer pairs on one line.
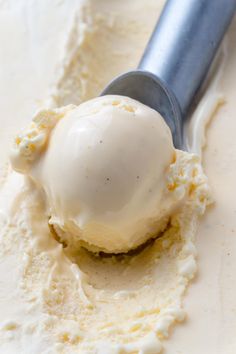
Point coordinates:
[[177, 59]]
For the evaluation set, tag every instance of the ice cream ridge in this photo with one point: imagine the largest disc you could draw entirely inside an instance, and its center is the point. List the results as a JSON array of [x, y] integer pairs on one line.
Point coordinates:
[[109, 173]]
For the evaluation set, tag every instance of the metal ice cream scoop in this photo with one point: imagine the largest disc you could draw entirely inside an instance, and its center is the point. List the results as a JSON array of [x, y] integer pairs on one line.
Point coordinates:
[[177, 59]]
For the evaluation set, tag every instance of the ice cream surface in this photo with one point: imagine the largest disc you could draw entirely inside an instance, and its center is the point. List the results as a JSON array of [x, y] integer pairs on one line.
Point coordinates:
[[96, 304], [107, 177], [53, 300]]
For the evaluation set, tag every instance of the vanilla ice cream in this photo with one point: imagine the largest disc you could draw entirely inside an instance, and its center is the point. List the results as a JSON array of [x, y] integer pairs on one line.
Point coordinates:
[[54, 300], [104, 167]]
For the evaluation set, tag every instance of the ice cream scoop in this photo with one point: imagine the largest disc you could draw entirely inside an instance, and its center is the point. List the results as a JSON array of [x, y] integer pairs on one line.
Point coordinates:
[[104, 167], [177, 59]]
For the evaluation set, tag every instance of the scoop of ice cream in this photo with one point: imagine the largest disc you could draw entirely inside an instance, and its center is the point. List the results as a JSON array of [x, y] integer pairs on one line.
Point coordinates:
[[104, 167]]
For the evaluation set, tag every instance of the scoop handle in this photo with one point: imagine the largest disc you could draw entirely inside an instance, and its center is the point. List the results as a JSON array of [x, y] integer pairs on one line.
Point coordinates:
[[184, 42]]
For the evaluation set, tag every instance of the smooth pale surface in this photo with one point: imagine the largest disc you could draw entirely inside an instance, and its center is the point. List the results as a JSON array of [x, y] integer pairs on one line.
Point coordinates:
[[211, 300]]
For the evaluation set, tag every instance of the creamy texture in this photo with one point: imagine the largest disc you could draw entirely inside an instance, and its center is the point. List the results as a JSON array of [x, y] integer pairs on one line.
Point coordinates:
[[48, 304], [77, 301], [104, 167]]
